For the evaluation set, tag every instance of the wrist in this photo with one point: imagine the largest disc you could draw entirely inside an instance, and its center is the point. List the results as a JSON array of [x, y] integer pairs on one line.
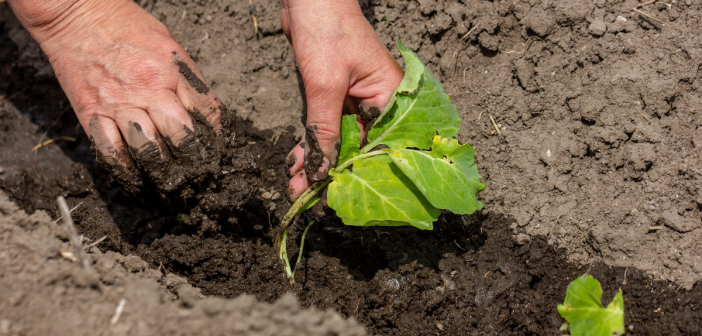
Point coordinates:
[[321, 15], [50, 20]]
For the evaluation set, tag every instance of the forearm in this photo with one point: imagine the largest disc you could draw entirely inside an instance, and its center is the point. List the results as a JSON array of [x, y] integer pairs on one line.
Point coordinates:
[[49, 19], [317, 17], [341, 6]]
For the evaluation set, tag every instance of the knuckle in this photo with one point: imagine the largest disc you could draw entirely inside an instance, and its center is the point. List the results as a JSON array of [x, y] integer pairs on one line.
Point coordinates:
[[325, 132], [181, 136]]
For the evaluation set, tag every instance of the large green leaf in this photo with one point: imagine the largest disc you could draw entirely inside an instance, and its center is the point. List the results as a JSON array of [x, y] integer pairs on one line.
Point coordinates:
[[350, 139], [376, 192], [418, 110], [446, 175], [584, 312]]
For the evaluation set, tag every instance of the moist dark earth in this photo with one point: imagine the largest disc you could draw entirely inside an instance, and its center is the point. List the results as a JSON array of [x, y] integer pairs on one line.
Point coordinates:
[[595, 168]]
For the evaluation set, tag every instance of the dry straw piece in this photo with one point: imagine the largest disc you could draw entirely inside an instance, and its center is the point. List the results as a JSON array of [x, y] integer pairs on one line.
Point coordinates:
[[71, 229]]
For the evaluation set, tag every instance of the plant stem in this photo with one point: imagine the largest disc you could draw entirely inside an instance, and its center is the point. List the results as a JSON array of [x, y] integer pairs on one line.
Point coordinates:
[[306, 196], [302, 243], [284, 256]]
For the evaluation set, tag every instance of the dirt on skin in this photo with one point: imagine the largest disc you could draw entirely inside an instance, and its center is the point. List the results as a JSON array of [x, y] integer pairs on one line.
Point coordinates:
[[598, 143]]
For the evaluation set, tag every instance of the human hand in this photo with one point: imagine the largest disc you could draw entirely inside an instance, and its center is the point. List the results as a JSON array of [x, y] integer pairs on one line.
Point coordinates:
[[343, 64], [126, 78]]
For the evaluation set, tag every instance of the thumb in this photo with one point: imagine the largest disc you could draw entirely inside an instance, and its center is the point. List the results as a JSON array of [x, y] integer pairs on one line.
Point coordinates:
[[324, 106]]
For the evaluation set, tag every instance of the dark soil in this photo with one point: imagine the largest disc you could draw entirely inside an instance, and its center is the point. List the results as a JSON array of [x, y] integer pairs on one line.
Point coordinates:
[[598, 142], [43, 293]]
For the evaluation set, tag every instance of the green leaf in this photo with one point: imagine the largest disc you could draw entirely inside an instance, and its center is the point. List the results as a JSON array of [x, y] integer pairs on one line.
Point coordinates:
[[350, 139], [584, 312], [446, 175], [413, 70], [376, 192], [418, 110]]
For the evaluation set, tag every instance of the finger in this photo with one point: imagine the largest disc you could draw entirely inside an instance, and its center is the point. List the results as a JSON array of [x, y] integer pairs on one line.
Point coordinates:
[[351, 105], [285, 23], [324, 104], [293, 161], [194, 93], [111, 152], [377, 77], [297, 185], [145, 145], [171, 119]]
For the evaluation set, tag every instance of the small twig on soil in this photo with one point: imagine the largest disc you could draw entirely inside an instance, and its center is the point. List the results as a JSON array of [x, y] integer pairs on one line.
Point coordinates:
[[70, 212], [118, 311], [526, 47], [47, 142], [480, 115], [655, 228], [68, 221], [161, 267], [645, 3], [459, 246], [624, 282], [463, 39], [585, 221], [253, 12], [653, 18], [495, 124], [87, 247], [676, 291], [645, 117], [464, 74], [486, 274]]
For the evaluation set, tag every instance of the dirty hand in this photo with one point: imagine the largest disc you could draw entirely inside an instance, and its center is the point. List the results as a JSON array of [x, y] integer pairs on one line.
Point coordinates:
[[126, 78], [343, 64]]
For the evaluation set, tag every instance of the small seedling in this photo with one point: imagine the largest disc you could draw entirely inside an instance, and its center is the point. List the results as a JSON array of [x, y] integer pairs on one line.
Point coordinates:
[[584, 313], [419, 170]]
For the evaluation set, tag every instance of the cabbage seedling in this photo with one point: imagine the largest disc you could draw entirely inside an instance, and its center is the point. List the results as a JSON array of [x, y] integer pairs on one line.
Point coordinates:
[[420, 170], [584, 312]]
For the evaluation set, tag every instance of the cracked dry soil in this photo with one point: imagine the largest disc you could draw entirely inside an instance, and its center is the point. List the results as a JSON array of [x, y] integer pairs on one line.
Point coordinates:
[[598, 110]]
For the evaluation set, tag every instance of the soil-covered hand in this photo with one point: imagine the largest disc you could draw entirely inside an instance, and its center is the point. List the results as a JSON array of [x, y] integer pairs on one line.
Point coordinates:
[[128, 80], [343, 64]]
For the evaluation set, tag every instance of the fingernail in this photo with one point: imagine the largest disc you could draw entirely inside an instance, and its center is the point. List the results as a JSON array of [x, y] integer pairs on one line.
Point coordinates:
[[323, 171], [325, 166], [289, 195], [290, 160]]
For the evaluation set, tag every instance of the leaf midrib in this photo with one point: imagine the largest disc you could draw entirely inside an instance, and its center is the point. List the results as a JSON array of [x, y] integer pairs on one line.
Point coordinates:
[[397, 121], [434, 161], [381, 196]]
